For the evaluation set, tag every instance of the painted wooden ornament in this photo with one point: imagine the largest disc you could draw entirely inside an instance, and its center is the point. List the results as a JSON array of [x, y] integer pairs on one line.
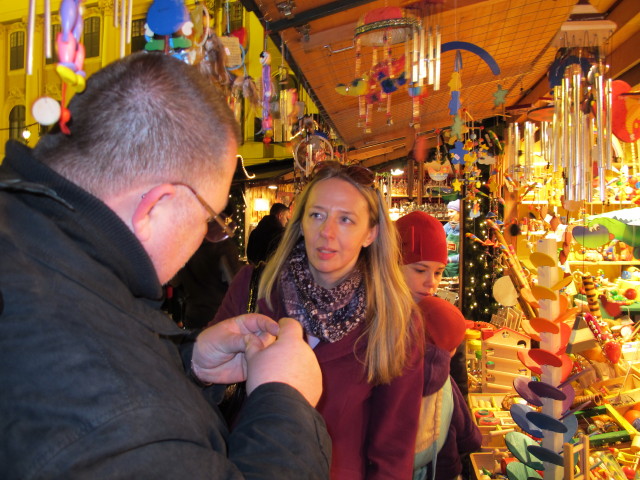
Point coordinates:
[[517, 444], [519, 415]]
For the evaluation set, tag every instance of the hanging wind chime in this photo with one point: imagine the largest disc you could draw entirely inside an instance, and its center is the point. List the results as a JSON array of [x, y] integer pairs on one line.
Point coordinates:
[[382, 28]]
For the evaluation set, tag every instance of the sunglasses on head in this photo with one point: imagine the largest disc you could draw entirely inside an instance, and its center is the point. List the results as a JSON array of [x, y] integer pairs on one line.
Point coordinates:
[[357, 173]]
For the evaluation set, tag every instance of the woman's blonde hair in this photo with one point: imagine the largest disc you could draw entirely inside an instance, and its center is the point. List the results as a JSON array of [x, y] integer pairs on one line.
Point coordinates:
[[389, 329]]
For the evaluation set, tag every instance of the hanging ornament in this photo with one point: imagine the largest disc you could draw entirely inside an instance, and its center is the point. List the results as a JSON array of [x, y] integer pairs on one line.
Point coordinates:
[[267, 92], [382, 27], [167, 28]]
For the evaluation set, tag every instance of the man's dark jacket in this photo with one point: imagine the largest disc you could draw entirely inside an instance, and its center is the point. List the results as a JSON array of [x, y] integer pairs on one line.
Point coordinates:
[[93, 375], [264, 239]]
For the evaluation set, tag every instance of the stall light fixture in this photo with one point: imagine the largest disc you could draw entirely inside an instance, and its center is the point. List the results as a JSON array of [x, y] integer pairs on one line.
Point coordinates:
[[397, 171]]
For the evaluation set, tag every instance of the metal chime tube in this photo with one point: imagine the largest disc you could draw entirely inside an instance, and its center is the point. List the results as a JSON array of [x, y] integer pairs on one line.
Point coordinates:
[[566, 144], [578, 155], [582, 155], [47, 29], [31, 27], [129, 19], [436, 81], [123, 26], [528, 153], [508, 151], [608, 100], [415, 60], [556, 128], [430, 58], [543, 142], [423, 46], [588, 147], [516, 143], [600, 156], [407, 58]]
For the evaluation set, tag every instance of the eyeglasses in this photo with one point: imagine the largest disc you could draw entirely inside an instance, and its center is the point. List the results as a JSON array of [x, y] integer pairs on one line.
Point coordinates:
[[224, 227], [357, 173]]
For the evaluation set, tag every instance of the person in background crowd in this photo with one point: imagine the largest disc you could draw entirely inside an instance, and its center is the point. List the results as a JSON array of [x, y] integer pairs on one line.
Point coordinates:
[[97, 382], [452, 232], [452, 269], [336, 271], [202, 283], [424, 257], [264, 239]]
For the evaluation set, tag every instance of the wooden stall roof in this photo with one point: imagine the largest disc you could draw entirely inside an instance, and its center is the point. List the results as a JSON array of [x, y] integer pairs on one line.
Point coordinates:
[[520, 35]]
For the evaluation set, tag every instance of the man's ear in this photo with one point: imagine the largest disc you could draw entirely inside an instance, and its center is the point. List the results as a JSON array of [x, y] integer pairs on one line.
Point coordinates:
[[143, 214]]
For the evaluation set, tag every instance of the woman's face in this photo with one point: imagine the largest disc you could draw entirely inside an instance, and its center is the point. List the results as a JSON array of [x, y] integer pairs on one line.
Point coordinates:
[[335, 225], [423, 278]]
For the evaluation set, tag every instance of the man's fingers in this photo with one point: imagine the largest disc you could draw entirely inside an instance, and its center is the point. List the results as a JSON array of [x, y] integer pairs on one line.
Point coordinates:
[[257, 323]]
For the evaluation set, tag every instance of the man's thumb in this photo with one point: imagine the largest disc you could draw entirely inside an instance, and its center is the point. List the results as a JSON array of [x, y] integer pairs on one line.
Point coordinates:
[[290, 328]]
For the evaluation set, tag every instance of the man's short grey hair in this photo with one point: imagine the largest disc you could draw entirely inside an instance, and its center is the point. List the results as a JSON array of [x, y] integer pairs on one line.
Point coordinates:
[[146, 117]]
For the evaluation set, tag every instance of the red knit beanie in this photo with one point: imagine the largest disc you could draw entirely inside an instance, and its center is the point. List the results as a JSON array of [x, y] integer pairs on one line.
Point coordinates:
[[444, 324], [423, 238]]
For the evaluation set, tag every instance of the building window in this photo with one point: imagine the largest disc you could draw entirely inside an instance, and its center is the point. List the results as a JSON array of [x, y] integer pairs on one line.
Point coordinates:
[[55, 30], [17, 122], [236, 14], [91, 37], [137, 35], [16, 51]]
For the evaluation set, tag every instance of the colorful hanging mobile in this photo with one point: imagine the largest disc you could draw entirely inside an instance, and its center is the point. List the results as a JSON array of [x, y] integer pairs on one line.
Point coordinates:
[[267, 93]]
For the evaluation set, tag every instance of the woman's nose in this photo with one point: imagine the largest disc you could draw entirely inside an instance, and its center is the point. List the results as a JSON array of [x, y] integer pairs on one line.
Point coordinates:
[[328, 228]]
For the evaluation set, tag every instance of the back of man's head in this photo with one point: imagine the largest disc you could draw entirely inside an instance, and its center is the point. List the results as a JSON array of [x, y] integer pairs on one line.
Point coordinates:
[[148, 116], [278, 208]]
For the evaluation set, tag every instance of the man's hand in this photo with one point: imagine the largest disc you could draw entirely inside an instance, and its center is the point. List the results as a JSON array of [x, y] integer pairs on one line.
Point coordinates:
[[288, 360], [219, 351]]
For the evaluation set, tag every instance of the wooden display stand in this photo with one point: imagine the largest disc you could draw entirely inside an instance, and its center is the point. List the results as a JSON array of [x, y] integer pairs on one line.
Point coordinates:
[[582, 449], [502, 349]]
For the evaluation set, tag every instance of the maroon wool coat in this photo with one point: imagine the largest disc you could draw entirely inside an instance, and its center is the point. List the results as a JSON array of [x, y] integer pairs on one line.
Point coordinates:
[[373, 428]]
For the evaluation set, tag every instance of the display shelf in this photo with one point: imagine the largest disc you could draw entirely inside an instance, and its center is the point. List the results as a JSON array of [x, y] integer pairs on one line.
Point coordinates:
[[604, 262]]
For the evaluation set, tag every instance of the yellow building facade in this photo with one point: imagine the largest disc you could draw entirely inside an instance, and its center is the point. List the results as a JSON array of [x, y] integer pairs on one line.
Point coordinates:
[[105, 42]]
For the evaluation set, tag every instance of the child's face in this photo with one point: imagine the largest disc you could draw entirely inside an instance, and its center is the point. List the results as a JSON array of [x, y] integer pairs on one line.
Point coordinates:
[[423, 278]]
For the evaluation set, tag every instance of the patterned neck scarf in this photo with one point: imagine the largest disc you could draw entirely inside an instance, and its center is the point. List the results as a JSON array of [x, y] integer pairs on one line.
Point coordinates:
[[328, 314]]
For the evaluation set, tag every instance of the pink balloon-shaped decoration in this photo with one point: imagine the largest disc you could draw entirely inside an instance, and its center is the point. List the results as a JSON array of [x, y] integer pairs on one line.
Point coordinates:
[[66, 50]]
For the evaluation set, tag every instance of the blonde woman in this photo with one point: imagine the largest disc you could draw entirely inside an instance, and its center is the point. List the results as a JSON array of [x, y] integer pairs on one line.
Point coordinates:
[[337, 271]]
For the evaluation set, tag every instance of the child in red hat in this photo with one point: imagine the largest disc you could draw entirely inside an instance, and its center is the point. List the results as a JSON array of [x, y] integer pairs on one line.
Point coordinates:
[[447, 432]]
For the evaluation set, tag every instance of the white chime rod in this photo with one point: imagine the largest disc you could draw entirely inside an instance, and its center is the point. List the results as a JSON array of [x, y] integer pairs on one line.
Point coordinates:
[[599, 91], [430, 58], [423, 68], [566, 154], [588, 142], [608, 99], [415, 63], [436, 82], [577, 157], [123, 25], [557, 128], [47, 29], [31, 25], [129, 15]]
